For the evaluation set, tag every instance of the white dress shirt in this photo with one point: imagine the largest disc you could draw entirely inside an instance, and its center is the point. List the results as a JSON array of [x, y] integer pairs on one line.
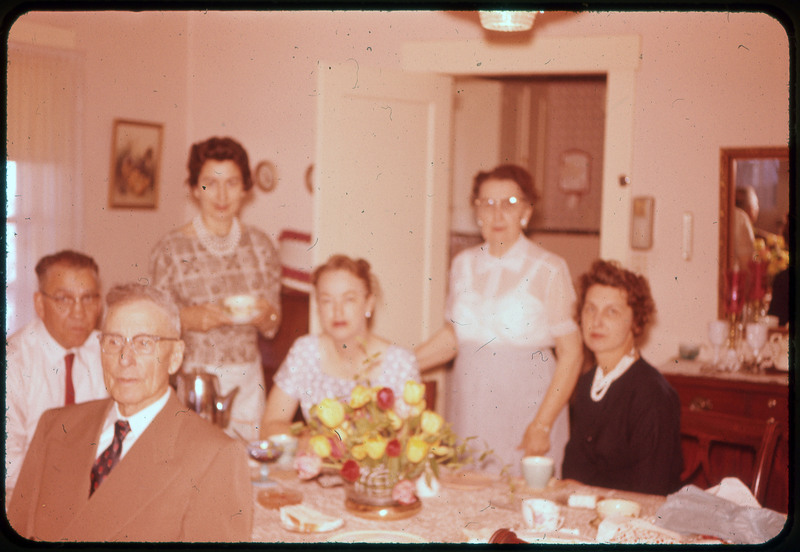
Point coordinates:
[[35, 382], [138, 422]]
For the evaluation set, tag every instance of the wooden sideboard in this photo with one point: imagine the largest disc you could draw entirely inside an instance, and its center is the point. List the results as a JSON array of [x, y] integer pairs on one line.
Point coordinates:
[[759, 397]]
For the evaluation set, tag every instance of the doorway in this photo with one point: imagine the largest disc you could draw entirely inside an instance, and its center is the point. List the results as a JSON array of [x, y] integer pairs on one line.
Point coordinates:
[[552, 125]]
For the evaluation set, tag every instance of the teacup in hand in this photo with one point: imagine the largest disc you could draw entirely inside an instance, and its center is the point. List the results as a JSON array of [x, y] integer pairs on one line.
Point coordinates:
[[240, 308], [537, 471], [541, 514]]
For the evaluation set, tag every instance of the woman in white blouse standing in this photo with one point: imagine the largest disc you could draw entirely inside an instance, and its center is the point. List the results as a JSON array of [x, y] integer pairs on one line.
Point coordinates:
[[509, 325], [213, 257]]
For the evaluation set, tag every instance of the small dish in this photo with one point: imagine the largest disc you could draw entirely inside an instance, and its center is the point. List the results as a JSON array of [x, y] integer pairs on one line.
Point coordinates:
[[300, 518], [618, 507]]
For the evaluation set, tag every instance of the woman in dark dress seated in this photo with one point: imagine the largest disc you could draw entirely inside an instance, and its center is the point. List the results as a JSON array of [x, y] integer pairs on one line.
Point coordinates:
[[625, 417]]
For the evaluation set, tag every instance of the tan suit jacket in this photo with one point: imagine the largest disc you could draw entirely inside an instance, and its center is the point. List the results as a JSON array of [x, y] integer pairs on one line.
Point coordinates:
[[183, 480]]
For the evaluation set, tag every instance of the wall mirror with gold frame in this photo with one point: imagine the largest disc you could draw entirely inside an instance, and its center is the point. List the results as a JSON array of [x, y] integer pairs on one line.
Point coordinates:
[[766, 169]]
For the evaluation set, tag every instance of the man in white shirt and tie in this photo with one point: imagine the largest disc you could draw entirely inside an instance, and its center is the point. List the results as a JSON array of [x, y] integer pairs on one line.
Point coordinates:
[[55, 359]]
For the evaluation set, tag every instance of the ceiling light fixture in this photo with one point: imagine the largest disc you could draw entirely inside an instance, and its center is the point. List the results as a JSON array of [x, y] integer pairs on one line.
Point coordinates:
[[507, 21]]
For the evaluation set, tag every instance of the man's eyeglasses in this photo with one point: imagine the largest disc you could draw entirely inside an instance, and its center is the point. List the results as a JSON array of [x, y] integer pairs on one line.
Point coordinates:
[[65, 302], [505, 204], [142, 344]]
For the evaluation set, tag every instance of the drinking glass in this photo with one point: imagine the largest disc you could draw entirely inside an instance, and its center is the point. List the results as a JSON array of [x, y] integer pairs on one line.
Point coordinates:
[[756, 337], [717, 334], [265, 452]]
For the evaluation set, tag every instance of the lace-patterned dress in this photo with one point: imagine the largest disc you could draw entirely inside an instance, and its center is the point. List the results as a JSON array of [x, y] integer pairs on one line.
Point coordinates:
[[301, 376], [183, 266], [506, 313]]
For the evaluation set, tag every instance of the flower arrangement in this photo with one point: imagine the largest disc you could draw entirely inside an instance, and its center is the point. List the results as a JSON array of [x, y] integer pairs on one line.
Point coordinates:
[[773, 251], [373, 430]]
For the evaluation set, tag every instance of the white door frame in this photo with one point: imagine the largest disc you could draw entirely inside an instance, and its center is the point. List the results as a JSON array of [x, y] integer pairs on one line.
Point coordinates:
[[616, 57]]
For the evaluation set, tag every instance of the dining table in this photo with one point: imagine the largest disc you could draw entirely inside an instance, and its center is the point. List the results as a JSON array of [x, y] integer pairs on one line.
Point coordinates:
[[467, 507]]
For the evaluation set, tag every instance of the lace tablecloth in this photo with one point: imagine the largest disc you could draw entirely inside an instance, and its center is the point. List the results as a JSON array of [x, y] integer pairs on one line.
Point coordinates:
[[469, 512]]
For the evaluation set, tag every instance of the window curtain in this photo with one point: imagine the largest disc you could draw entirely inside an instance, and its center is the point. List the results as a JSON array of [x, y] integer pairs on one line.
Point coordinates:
[[44, 205]]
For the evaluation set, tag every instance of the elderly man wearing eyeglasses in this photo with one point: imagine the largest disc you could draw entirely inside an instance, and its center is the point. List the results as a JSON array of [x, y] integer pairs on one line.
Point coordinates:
[[139, 466], [55, 359]]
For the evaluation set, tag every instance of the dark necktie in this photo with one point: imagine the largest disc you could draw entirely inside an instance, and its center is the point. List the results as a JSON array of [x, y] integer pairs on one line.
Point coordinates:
[[69, 394], [109, 458]]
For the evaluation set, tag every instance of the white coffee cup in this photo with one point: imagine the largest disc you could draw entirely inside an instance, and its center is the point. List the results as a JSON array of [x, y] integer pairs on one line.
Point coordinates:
[[541, 514], [537, 471]]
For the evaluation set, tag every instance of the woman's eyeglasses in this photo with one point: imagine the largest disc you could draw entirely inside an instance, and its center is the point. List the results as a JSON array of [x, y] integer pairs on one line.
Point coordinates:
[[504, 204], [65, 302], [142, 344]]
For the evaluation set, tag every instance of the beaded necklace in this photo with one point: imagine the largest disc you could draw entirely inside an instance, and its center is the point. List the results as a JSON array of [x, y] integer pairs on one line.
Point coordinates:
[[219, 246], [602, 382]]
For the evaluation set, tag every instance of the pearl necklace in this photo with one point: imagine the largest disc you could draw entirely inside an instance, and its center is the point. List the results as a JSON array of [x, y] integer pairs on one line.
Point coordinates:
[[602, 382], [219, 246]]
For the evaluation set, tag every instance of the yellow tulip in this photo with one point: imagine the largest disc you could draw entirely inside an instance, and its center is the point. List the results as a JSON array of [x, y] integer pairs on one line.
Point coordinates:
[[320, 445], [376, 447], [431, 422], [358, 452], [416, 450], [360, 396], [395, 421], [413, 392], [330, 412], [418, 408]]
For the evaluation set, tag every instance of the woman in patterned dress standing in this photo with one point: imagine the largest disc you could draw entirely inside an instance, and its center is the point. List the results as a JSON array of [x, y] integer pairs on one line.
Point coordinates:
[[214, 257]]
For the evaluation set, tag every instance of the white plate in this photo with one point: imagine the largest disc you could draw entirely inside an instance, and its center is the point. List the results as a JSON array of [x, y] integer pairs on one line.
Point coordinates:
[[377, 536]]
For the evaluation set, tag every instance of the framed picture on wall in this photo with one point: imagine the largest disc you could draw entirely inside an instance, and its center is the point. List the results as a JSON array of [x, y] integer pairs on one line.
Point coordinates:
[[135, 164]]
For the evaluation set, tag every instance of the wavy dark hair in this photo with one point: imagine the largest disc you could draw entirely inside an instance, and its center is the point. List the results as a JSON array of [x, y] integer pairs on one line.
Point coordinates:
[[636, 288], [218, 149]]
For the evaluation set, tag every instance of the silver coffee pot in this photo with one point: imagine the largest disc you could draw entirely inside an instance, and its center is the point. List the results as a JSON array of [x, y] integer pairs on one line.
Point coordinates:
[[200, 392]]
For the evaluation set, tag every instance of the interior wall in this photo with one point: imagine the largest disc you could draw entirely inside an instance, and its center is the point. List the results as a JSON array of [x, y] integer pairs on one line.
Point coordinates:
[[706, 80]]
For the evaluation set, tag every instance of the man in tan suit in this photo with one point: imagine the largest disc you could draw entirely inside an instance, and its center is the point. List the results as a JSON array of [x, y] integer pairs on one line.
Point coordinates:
[[139, 466]]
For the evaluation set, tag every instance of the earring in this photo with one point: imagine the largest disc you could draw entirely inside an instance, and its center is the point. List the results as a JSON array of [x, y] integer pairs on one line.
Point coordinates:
[[479, 222], [524, 222], [368, 314]]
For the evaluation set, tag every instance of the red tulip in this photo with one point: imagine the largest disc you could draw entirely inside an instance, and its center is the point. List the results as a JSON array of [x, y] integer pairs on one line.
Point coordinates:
[[385, 398], [350, 471], [394, 448]]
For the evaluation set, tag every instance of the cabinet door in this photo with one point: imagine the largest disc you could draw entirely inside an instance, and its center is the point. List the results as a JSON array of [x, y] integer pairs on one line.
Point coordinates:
[[381, 188]]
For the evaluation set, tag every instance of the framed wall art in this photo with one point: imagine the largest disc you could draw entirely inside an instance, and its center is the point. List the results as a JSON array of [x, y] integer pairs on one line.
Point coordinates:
[[135, 164]]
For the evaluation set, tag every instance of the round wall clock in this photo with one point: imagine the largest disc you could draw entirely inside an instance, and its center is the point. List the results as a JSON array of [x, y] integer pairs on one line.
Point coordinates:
[[264, 176]]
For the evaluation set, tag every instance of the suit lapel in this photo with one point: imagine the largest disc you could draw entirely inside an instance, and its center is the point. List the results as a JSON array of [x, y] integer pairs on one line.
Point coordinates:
[[130, 486]]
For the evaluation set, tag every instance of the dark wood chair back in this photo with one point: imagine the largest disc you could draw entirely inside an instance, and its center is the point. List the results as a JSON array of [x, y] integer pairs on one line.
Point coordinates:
[[709, 429], [430, 394]]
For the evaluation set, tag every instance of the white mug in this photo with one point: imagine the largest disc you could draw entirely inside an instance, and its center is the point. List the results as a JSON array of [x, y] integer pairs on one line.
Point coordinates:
[[537, 471]]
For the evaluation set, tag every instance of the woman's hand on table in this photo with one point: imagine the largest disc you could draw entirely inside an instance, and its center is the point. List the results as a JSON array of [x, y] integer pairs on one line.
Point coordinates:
[[203, 317], [536, 440]]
